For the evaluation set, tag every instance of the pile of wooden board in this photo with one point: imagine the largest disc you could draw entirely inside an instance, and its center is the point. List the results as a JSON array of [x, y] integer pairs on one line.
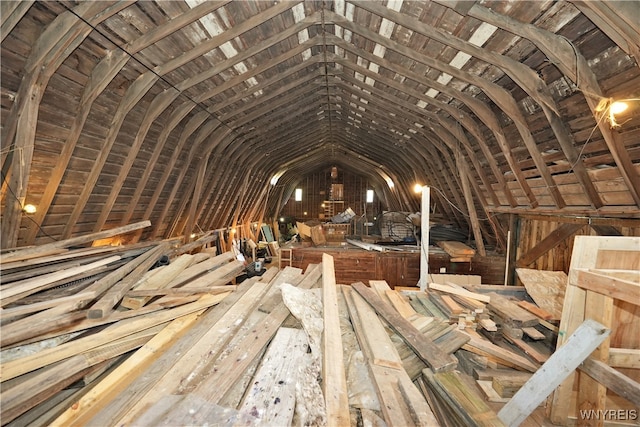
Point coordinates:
[[133, 342], [458, 251]]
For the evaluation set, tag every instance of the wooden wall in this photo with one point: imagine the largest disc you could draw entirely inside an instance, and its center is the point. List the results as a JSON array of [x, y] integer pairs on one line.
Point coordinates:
[[397, 268], [547, 243], [316, 189]]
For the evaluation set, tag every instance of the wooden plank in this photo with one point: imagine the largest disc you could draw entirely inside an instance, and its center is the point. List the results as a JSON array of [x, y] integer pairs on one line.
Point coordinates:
[[117, 380], [372, 336], [606, 283], [162, 277], [612, 379], [45, 357], [272, 394], [105, 305], [33, 252], [534, 309], [563, 362], [489, 392], [459, 291], [113, 408], [200, 352], [424, 348], [401, 403], [334, 381], [16, 290], [45, 383], [511, 312], [624, 358], [559, 235], [247, 346]]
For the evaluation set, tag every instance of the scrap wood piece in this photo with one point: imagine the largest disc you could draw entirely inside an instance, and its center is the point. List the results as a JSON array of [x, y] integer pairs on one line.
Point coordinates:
[[534, 309], [533, 333], [334, 381], [175, 292], [432, 355], [272, 394], [483, 347], [201, 266], [462, 402], [460, 291], [489, 393], [45, 357], [546, 288], [511, 312], [456, 249], [584, 340], [507, 386], [35, 251], [124, 374]]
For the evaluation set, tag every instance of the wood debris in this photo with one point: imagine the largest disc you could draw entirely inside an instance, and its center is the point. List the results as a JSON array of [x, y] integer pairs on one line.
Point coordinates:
[[139, 343]]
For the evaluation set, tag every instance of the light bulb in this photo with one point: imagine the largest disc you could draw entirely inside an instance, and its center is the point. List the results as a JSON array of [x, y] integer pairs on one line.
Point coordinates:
[[618, 107], [29, 208]]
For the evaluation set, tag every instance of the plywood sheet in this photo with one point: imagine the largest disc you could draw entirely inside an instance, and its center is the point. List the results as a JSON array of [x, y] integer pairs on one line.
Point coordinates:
[[546, 288]]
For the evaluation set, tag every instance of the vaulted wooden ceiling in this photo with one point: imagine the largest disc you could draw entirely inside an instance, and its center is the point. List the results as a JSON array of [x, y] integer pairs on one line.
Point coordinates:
[[182, 112]]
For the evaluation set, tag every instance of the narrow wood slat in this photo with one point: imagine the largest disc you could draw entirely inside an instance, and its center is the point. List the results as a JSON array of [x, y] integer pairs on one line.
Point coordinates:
[[334, 381], [424, 348]]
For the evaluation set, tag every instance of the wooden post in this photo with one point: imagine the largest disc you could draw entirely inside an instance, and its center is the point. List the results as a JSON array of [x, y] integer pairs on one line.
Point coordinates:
[[424, 237]]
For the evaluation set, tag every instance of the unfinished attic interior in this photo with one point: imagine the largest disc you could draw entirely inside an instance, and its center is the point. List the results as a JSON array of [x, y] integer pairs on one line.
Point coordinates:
[[320, 213]]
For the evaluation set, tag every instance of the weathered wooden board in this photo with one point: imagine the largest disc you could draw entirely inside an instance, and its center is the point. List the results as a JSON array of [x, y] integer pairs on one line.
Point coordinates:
[[561, 364]]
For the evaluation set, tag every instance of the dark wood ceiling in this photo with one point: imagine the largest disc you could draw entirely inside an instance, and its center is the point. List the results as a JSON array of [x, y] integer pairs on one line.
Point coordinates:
[[182, 112]]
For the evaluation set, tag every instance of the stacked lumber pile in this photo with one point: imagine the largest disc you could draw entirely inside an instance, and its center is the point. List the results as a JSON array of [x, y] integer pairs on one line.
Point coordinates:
[[70, 313], [128, 339], [458, 251], [509, 337]]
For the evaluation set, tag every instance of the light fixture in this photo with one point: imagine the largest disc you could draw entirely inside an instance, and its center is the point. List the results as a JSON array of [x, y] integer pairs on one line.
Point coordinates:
[[29, 209], [609, 108], [417, 188], [618, 107], [298, 196]]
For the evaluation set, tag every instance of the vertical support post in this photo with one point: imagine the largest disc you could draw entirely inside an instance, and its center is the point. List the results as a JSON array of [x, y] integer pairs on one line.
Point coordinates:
[[424, 236]]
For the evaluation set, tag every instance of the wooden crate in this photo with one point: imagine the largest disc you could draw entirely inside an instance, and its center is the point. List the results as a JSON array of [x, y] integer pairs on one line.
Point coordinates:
[[603, 285]]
